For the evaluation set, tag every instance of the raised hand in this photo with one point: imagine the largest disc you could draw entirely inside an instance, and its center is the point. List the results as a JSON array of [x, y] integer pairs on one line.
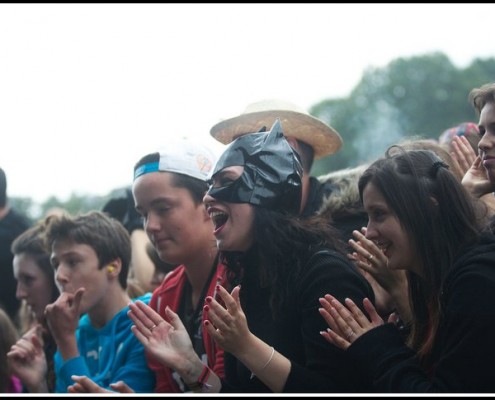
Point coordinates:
[[347, 322], [389, 285], [462, 154], [28, 361], [227, 325], [167, 342], [476, 180], [63, 315]]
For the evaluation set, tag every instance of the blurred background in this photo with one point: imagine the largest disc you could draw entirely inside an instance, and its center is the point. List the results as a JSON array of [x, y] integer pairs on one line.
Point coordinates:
[[87, 89]]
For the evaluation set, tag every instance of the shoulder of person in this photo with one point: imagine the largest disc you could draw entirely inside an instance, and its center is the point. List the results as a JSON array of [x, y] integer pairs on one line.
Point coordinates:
[[145, 298]]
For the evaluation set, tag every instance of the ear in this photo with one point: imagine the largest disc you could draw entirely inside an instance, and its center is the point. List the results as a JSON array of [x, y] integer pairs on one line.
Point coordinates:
[[113, 268]]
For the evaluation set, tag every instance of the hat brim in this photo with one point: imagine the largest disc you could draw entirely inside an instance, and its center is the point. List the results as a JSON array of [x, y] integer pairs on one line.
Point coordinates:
[[323, 139]]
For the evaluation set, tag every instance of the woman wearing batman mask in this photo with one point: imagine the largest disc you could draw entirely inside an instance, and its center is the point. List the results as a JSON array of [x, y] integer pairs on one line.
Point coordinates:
[[280, 265]]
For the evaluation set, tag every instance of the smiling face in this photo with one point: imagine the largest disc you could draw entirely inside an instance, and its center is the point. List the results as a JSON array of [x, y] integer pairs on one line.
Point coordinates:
[[486, 145], [179, 228], [271, 177], [33, 285], [385, 229], [233, 221]]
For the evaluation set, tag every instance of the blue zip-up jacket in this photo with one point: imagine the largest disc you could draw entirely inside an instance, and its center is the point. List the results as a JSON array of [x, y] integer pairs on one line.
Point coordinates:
[[107, 355]]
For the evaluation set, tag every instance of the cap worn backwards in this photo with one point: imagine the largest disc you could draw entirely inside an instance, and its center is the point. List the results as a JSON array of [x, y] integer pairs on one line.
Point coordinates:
[[182, 157]]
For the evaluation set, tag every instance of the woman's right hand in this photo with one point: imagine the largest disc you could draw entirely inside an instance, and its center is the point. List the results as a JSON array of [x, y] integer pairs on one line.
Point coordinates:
[[389, 285]]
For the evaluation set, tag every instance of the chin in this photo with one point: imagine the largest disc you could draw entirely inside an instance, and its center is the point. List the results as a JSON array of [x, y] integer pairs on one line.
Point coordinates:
[[226, 247], [491, 176]]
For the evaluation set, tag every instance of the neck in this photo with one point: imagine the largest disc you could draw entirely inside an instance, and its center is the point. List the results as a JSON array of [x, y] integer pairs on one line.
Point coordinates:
[[116, 298], [305, 192], [199, 272]]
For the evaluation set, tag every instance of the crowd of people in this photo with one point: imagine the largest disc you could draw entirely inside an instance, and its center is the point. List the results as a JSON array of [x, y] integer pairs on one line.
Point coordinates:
[[243, 273]]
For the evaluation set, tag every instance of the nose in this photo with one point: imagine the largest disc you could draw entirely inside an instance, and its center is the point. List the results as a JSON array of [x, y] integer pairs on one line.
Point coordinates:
[[61, 275], [152, 223], [485, 143], [20, 293], [371, 232], [207, 199]]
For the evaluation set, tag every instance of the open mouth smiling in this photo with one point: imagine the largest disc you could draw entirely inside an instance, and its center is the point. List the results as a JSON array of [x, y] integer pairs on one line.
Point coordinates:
[[219, 219]]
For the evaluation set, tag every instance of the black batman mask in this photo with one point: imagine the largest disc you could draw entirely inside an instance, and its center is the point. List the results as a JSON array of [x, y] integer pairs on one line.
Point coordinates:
[[272, 175]]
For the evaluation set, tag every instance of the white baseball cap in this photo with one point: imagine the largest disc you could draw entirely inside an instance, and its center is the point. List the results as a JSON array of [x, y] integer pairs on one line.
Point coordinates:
[[182, 156]]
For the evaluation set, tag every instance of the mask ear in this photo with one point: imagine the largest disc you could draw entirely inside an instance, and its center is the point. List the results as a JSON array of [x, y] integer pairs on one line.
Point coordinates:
[[292, 143]]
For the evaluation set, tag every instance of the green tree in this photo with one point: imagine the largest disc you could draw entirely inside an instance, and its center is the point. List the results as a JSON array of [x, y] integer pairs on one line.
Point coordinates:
[[419, 96]]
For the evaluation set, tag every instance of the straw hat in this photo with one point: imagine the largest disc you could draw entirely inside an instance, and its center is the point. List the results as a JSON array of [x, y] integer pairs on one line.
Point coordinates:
[[295, 122]]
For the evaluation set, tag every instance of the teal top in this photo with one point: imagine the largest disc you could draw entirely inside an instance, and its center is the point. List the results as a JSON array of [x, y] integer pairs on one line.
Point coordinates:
[[107, 355]]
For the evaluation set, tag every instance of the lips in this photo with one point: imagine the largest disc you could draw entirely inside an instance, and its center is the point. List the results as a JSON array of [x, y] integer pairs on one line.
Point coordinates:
[[488, 160], [157, 241], [382, 246], [219, 219]]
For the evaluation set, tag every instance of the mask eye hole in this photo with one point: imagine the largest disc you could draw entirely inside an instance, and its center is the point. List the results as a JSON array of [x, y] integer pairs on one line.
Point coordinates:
[[226, 177]]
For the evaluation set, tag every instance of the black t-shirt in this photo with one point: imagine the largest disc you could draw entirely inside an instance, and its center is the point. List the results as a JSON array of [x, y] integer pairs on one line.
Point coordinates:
[[192, 317]]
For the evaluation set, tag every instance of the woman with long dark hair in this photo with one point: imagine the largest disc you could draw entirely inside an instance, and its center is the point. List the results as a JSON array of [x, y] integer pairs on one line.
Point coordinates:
[[424, 222], [280, 265]]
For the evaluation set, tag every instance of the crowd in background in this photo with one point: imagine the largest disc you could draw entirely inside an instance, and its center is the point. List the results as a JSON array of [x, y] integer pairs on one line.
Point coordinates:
[[244, 273]]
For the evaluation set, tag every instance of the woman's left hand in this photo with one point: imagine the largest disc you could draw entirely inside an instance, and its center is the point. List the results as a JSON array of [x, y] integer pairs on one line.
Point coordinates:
[[227, 325], [347, 322]]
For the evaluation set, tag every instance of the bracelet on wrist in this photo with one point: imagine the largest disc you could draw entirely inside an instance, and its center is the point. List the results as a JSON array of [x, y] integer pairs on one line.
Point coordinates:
[[266, 364]]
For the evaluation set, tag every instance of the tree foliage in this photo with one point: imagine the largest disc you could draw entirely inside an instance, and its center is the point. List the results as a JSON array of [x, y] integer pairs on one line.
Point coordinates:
[[419, 96], [74, 205]]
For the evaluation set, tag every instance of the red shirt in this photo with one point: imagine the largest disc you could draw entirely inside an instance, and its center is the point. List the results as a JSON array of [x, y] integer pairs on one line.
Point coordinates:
[[169, 293]]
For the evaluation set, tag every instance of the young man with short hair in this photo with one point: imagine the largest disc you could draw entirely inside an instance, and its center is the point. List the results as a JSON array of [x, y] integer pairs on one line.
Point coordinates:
[[91, 254]]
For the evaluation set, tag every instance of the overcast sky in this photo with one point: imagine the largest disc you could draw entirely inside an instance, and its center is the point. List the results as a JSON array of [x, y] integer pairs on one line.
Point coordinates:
[[87, 89]]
